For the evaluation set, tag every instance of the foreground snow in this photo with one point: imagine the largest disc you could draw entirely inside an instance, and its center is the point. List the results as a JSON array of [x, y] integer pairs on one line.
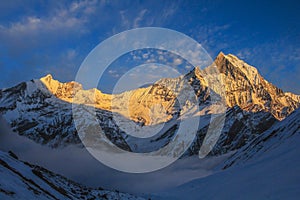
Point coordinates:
[[268, 168], [25, 181]]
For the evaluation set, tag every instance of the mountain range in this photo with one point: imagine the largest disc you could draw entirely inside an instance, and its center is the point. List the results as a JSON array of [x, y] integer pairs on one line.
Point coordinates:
[[258, 117]]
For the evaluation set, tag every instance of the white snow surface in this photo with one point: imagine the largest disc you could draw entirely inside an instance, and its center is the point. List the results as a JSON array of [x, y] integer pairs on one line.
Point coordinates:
[[24, 181], [271, 172]]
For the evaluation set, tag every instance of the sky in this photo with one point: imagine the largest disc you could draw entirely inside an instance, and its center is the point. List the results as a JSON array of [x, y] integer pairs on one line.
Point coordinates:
[[41, 37]]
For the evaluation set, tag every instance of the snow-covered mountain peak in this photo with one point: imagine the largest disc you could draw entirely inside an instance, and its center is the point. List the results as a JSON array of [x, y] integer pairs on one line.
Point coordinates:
[[250, 70], [237, 65], [246, 88], [64, 91]]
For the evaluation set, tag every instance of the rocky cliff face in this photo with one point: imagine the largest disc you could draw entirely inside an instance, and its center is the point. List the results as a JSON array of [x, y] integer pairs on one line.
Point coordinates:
[[246, 88]]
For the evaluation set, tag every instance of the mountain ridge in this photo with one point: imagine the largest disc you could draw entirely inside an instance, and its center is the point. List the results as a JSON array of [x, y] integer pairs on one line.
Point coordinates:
[[42, 109], [244, 86]]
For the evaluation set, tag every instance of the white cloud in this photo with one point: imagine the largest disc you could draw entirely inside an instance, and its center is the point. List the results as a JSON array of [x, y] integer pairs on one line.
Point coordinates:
[[139, 18], [153, 67], [61, 20], [244, 53], [150, 60], [145, 55], [124, 20], [177, 61], [170, 11], [209, 36], [142, 17], [161, 58], [114, 73], [71, 54]]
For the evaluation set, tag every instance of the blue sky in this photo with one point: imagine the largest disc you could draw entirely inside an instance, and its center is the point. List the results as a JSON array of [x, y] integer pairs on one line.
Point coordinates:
[[41, 37]]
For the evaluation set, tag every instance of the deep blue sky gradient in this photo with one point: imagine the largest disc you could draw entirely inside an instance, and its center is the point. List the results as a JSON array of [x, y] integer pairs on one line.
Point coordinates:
[[41, 37]]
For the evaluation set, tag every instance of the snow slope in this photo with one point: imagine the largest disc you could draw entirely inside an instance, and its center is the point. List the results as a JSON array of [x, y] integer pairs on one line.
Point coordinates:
[[267, 168], [268, 140], [21, 180]]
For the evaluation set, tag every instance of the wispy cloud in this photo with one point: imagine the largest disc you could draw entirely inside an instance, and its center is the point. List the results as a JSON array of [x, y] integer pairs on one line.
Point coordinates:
[[212, 36], [41, 31], [131, 20], [64, 20], [139, 18], [113, 73], [177, 61], [41, 42]]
